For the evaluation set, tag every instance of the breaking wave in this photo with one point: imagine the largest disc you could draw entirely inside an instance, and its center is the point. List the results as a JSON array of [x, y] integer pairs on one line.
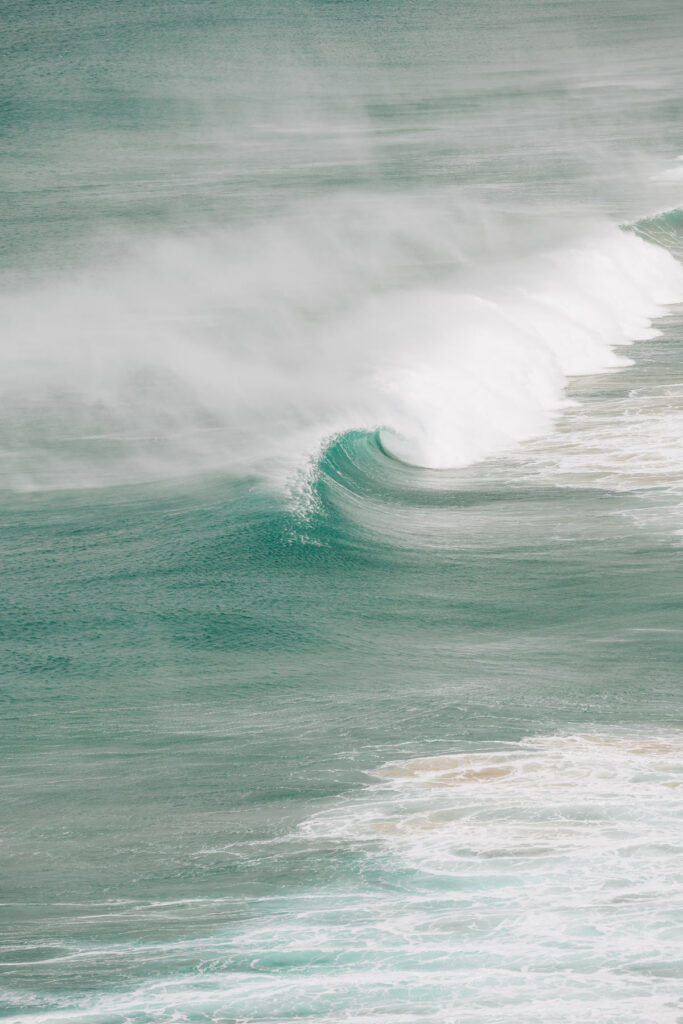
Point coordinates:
[[451, 332]]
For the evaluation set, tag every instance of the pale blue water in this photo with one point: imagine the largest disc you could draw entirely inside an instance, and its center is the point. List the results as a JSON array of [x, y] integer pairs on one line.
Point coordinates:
[[341, 526]]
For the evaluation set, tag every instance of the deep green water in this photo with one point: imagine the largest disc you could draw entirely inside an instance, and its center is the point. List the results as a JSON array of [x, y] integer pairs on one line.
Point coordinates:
[[252, 253]]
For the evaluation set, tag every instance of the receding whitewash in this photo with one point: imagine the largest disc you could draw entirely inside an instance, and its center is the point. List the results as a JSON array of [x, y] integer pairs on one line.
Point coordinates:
[[548, 870], [536, 880]]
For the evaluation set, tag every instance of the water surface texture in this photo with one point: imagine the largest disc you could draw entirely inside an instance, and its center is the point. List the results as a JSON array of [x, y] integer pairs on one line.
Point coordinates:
[[341, 491]]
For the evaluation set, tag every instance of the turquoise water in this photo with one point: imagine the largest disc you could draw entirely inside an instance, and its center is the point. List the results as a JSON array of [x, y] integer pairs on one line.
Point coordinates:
[[340, 466]]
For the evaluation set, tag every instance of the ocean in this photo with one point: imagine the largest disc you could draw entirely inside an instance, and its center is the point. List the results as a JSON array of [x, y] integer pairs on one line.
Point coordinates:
[[341, 492]]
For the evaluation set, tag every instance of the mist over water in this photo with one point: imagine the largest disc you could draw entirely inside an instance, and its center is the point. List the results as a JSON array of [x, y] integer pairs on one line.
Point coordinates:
[[340, 473], [234, 232]]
